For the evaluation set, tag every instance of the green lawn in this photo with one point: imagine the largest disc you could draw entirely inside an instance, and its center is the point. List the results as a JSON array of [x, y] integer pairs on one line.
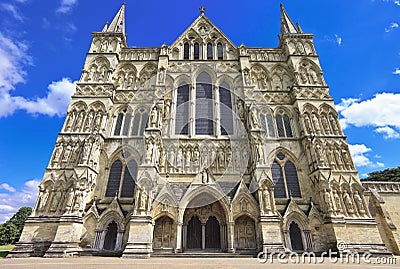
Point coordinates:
[[4, 250]]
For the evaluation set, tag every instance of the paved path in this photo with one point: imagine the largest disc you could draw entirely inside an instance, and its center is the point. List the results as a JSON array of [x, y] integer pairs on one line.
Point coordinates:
[[169, 263]]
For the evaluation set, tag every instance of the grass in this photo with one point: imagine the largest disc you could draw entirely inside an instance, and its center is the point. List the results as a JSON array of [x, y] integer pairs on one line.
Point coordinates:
[[4, 250]]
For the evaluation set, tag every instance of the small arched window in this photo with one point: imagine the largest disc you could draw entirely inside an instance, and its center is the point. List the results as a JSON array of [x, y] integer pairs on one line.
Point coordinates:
[[220, 51], [283, 124], [196, 51], [284, 175], [121, 180], [267, 123], [209, 51], [118, 124], [139, 122], [186, 51], [226, 113], [182, 110], [127, 124]]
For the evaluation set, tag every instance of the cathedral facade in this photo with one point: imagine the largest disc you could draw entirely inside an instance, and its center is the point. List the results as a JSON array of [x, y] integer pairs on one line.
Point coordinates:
[[200, 146]]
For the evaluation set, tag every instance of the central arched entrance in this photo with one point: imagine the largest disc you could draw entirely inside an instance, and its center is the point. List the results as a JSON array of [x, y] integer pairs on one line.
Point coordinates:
[[204, 228]]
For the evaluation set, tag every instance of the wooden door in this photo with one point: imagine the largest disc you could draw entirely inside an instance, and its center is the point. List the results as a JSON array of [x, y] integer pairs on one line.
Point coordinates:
[[213, 233], [194, 233]]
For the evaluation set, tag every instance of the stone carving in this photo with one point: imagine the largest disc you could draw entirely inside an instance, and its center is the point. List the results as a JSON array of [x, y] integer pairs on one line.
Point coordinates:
[[328, 200], [255, 123], [348, 203], [308, 75], [338, 203], [42, 199], [359, 202], [154, 118], [266, 200], [260, 78]]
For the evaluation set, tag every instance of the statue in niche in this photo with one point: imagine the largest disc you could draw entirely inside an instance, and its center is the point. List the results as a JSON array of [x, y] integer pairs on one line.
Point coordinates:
[[267, 200], [325, 125], [338, 157], [56, 199], [254, 119], [149, 153], [167, 108], [303, 75], [131, 80], [96, 151], [247, 79], [67, 153], [179, 157], [347, 159], [314, 77], [162, 160], [331, 158], [221, 158], [348, 202], [328, 200], [79, 121], [335, 128], [316, 124], [307, 124], [187, 158], [171, 161], [196, 157], [79, 200], [300, 48], [260, 153], [241, 111], [75, 153], [121, 80], [71, 117], [161, 75], [91, 73], [143, 200], [154, 118], [103, 74], [57, 152], [89, 120], [42, 199], [97, 121], [320, 154], [244, 205], [70, 199], [359, 202], [204, 176], [86, 152], [337, 199]]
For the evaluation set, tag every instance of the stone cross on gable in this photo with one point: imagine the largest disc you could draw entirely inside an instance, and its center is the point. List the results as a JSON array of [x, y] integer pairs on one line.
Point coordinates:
[[202, 9]]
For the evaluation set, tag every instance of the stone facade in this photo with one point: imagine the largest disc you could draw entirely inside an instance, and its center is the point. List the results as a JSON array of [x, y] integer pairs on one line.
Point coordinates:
[[200, 145]]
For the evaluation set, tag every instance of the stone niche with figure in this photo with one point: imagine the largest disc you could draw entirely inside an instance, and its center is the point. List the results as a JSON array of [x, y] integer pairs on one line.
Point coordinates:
[[202, 146]]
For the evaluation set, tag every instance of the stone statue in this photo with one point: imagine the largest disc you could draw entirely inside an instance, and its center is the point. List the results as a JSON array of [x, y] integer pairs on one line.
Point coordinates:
[[67, 154], [314, 76], [70, 199], [320, 154], [97, 121], [149, 153], [328, 200], [187, 158], [325, 125], [338, 157], [347, 159], [359, 203], [335, 128], [241, 111], [316, 124], [143, 200], [254, 119], [79, 121], [196, 157], [85, 152], [260, 154], [348, 203], [307, 124], [70, 122], [204, 176], [42, 199], [303, 76], [171, 160], [221, 158], [162, 160], [338, 203], [179, 160], [89, 120], [247, 79], [57, 152], [167, 109], [154, 118], [267, 200], [55, 200]]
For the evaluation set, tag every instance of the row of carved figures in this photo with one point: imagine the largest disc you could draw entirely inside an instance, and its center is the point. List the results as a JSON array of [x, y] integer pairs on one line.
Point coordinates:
[[319, 124], [347, 203], [57, 201], [70, 153], [195, 158], [326, 154], [82, 121]]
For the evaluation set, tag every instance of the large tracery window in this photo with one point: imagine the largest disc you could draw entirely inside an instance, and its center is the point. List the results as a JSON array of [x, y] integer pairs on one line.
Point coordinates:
[[226, 113], [121, 179], [139, 122], [204, 105], [284, 175], [283, 124]]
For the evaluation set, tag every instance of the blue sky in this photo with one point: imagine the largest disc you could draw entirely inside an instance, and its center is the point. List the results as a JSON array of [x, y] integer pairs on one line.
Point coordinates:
[[43, 46]]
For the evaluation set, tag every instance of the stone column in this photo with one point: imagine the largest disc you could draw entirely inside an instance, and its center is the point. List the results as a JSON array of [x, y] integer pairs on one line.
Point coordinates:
[[118, 243], [287, 239], [203, 236], [102, 238], [217, 112], [184, 236], [192, 111], [231, 236], [179, 237], [97, 239]]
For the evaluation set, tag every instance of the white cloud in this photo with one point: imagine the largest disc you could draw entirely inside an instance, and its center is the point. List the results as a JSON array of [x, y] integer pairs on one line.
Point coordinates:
[[338, 40], [66, 6], [396, 72], [382, 112], [359, 152], [392, 26], [14, 59], [388, 132], [11, 202], [334, 39], [13, 10], [7, 187]]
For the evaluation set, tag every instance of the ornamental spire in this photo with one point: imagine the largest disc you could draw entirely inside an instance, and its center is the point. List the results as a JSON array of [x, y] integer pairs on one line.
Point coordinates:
[[287, 25], [202, 10], [118, 23]]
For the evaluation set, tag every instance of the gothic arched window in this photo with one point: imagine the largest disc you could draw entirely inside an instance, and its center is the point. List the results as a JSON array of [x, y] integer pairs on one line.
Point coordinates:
[[209, 51], [220, 51], [186, 51], [114, 179], [284, 175], [196, 51], [204, 105], [118, 125], [267, 123], [182, 110], [283, 124], [121, 180], [127, 124], [226, 113], [139, 122]]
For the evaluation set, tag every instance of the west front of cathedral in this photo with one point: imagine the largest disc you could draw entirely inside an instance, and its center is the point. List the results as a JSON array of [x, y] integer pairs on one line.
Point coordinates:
[[203, 146]]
